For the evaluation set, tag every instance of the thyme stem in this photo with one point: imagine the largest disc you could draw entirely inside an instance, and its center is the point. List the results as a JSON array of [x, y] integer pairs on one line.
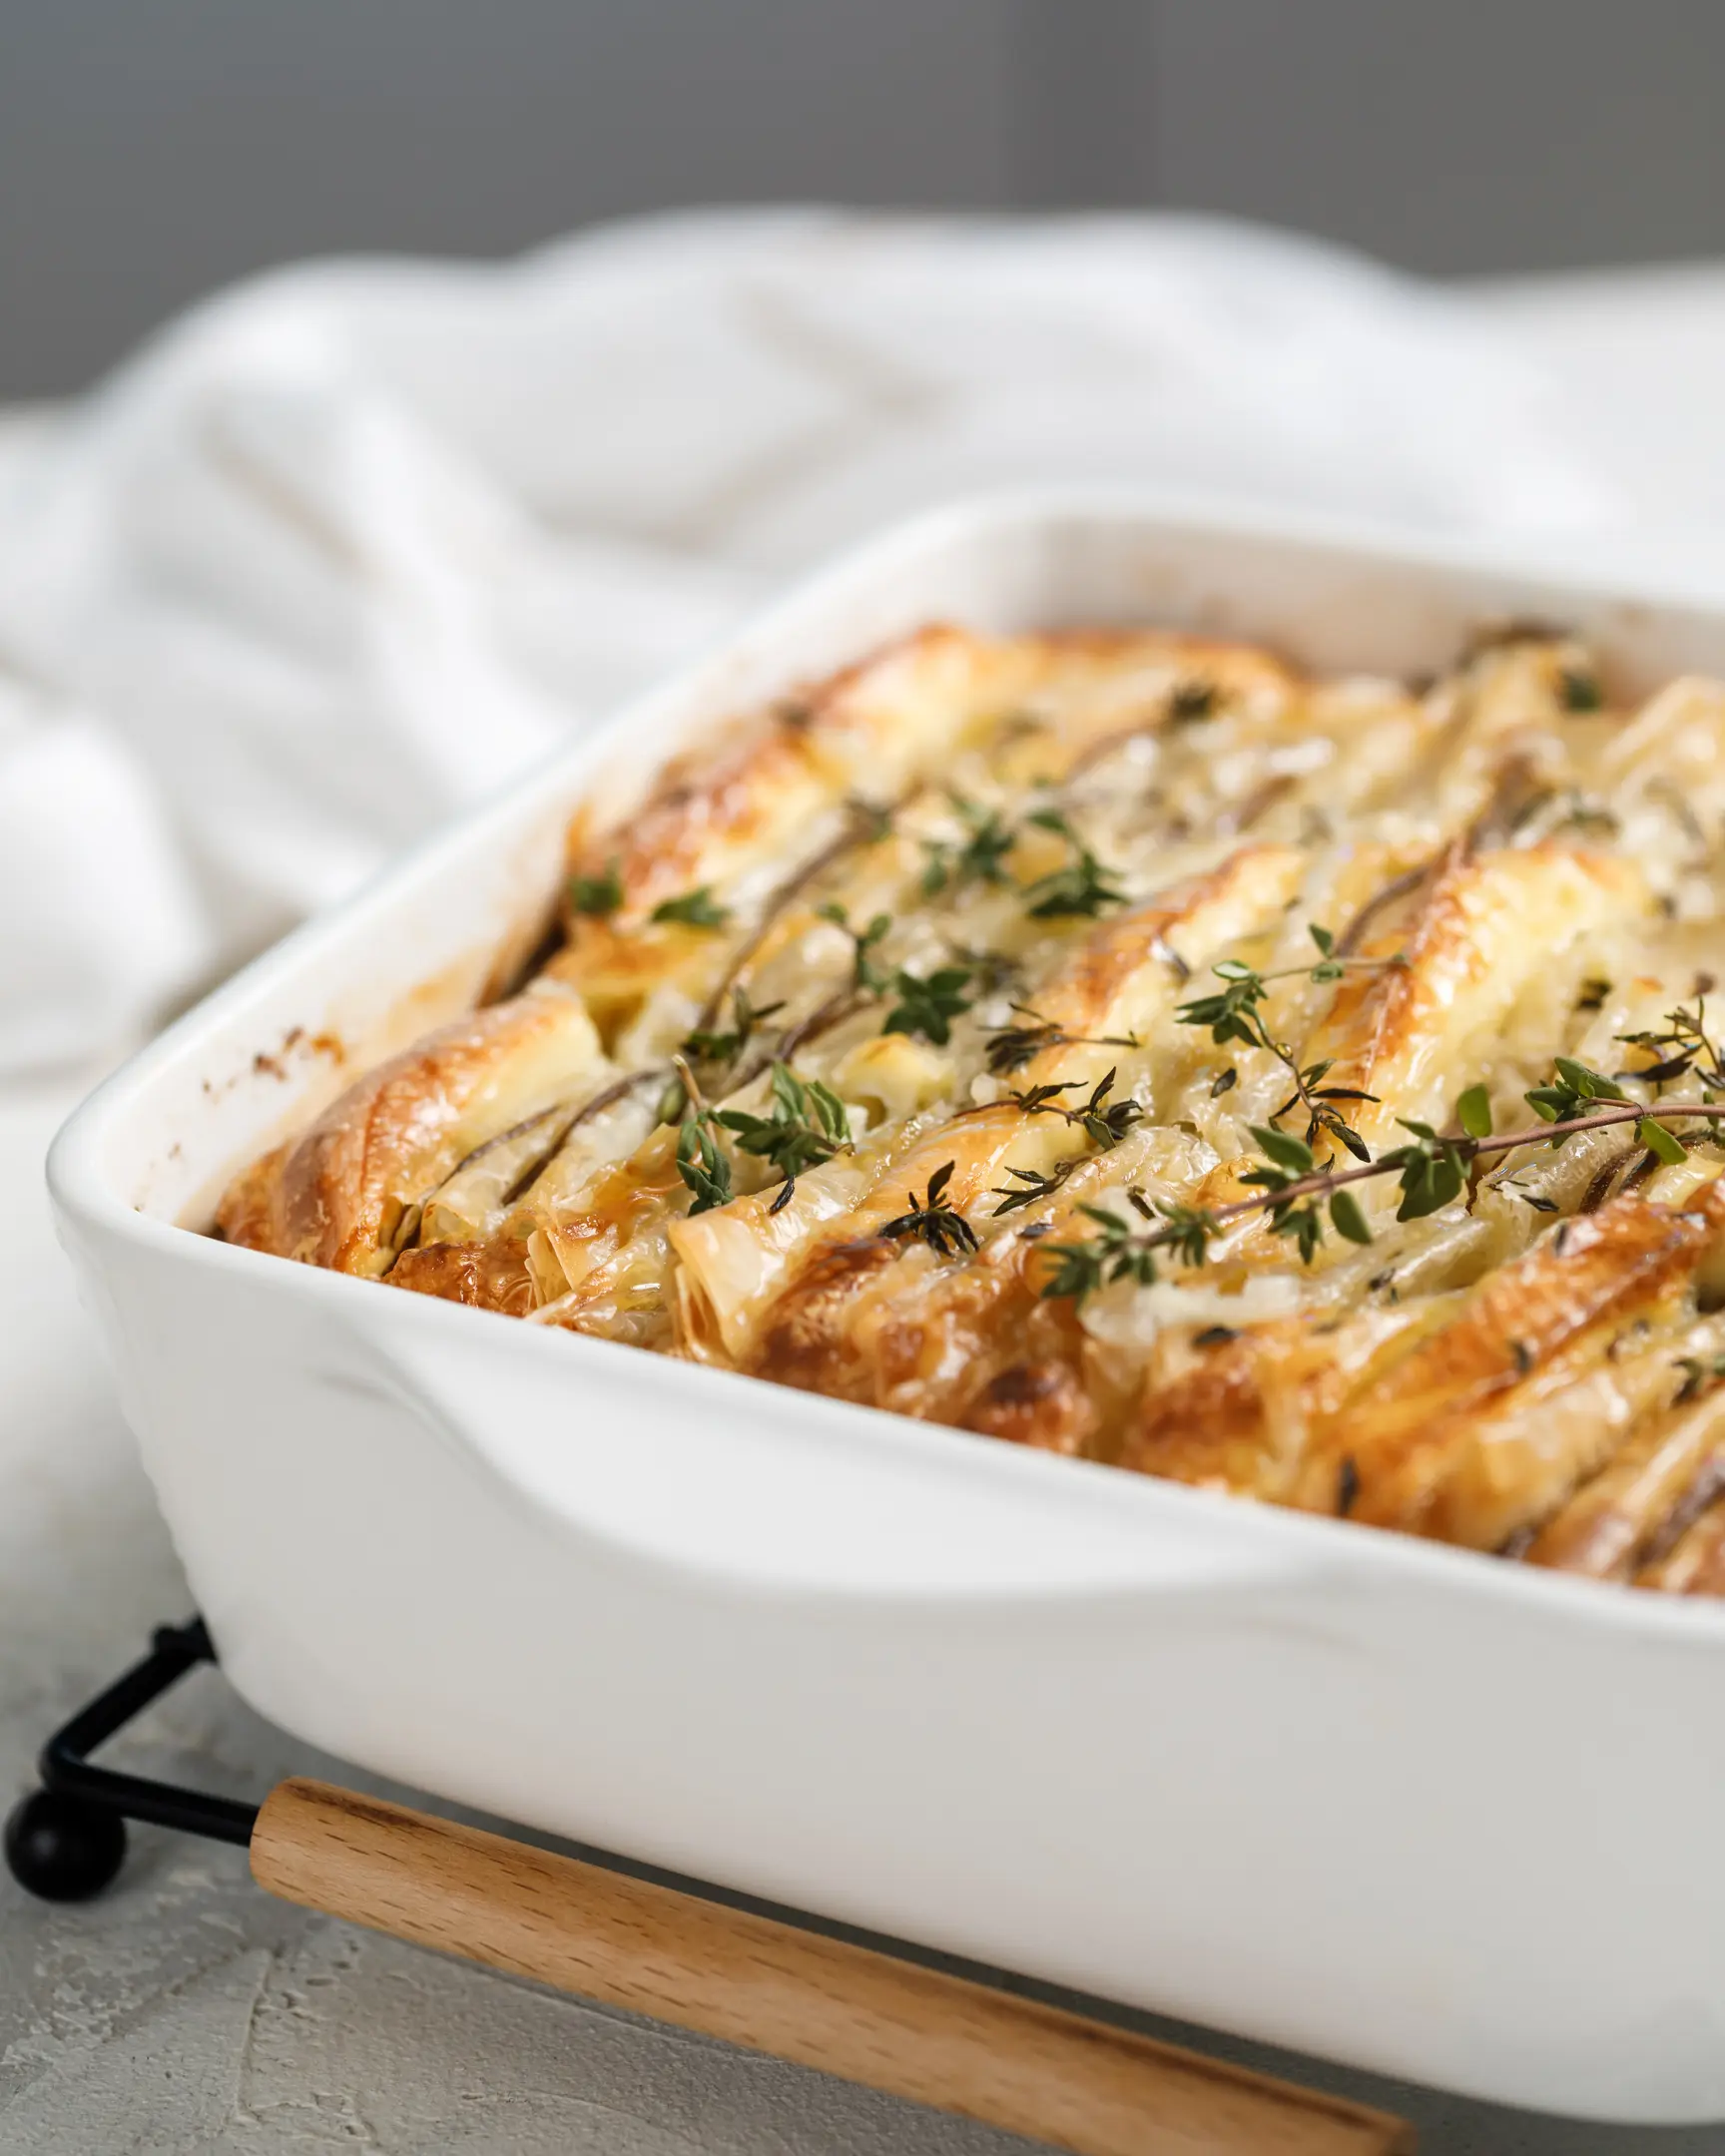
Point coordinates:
[[1468, 1148], [691, 1086], [1332, 966]]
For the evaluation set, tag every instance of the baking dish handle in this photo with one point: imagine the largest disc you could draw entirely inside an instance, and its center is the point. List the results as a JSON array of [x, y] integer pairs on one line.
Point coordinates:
[[652, 1461]]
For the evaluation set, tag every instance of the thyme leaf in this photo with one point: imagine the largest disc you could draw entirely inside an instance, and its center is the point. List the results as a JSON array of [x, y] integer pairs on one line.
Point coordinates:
[[1082, 887], [1102, 1121], [865, 976], [703, 1168], [695, 908], [1347, 1218], [1664, 1144], [1578, 690], [1194, 698], [1044, 1099], [597, 896], [1573, 1086], [1473, 1112], [1033, 1185], [1105, 1122], [725, 1049]]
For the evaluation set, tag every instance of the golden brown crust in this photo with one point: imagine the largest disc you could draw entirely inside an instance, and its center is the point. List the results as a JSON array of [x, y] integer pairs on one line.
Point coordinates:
[[810, 1342], [1044, 1404], [1612, 1523], [1493, 872], [1697, 1562], [335, 1196], [1235, 1409], [487, 1275], [1484, 929], [763, 779], [1440, 1442], [1121, 974]]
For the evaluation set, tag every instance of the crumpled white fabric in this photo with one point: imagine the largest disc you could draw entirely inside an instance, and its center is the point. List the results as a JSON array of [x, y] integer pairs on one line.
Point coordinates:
[[349, 545]]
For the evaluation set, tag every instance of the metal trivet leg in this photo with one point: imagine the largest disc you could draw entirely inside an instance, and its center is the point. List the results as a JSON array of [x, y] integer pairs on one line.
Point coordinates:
[[67, 1840]]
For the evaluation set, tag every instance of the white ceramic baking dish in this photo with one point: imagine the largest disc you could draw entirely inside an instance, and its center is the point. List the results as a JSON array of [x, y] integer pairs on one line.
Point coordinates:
[[1408, 1807]]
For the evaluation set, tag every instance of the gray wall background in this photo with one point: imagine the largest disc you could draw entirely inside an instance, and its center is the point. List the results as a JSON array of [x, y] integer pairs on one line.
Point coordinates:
[[151, 148]]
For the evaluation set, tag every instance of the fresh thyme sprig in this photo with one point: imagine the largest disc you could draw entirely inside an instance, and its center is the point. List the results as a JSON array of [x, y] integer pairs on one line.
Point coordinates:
[[1235, 1013], [1317, 1100], [1286, 1173], [928, 1004], [1105, 1123], [981, 860], [715, 1054], [1685, 1047], [1432, 1168], [1013, 1046], [1118, 1251], [699, 1163], [866, 977], [723, 1050], [1572, 1084], [809, 1124], [1082, 887], [1033, 1185], [993, 970], [938, 1224], [705, 1171]]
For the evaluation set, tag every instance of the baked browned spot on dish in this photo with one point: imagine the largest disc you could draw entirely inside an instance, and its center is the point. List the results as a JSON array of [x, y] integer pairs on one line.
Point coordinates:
[[1127, 1045]]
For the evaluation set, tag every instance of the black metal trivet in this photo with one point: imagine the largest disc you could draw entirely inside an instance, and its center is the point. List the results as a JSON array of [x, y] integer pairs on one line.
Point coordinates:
[[66, 1841]]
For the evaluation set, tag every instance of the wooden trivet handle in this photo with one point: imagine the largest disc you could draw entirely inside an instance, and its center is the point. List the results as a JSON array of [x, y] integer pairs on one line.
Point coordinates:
[[890, 2025]]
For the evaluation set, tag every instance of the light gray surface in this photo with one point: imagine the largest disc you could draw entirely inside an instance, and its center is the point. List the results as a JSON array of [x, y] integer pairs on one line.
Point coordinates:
[[148, 154], [186, 2012]]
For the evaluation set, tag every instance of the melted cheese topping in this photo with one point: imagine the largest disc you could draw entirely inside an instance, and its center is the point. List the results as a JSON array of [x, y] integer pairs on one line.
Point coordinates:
[[965, 889]]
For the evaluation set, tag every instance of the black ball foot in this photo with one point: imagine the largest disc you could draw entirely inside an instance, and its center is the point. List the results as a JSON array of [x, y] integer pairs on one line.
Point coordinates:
[[62, 1848]]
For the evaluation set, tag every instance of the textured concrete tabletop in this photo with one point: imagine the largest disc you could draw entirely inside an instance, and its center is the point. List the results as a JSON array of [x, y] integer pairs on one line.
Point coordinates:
[[186, 2012]]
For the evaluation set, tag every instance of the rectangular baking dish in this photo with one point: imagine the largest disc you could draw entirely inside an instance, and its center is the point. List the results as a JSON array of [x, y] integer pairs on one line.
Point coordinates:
[[1369, 1797]]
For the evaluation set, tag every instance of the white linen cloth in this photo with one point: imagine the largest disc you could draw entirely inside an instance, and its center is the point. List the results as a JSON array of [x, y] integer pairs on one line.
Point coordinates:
[[349, 545]]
